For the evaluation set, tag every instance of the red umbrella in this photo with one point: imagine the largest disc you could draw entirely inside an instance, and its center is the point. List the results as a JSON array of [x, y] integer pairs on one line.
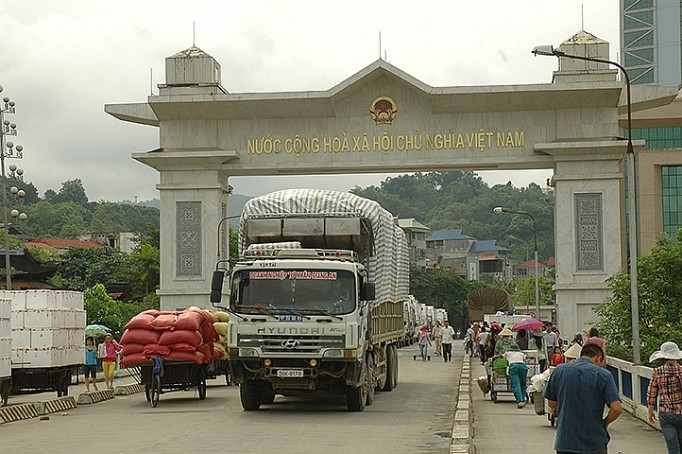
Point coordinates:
[[528, 324]]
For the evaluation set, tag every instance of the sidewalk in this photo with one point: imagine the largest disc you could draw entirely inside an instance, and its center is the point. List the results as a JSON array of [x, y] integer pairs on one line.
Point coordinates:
[[499, 427]]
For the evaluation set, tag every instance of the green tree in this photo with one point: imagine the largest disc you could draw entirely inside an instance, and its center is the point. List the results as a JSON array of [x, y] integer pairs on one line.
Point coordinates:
[[84, 268], [146, 264], [523, 293], [104, 310], [660, 302], [71, 191]]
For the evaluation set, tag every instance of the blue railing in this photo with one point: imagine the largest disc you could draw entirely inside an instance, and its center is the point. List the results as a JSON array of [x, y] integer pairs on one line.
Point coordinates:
[[632, 382]]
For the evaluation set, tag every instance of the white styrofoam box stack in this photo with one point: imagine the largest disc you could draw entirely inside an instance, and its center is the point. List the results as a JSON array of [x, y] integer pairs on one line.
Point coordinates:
[[5, 337], [47, 328], [5, 308]]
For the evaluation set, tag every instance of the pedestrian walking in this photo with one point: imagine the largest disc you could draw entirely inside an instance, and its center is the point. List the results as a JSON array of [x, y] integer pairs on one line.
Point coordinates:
[[522, 339], [469, 341], [424, 342], [90, 364], [665, 394], [483, 337], [108, 351], [538, 344], [593, 338], [448, 336], [577, 393], [437, 337]]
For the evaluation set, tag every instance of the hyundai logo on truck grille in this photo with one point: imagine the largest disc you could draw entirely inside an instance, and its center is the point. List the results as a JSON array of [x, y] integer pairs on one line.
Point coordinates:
[[290, 344]]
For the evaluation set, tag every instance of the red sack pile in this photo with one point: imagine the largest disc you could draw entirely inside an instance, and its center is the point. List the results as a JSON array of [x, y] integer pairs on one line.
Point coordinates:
[[174, 335]]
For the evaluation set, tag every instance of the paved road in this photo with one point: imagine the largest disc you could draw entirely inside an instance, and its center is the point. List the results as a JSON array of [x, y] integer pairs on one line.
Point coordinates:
[[503, 428], [417, 417]]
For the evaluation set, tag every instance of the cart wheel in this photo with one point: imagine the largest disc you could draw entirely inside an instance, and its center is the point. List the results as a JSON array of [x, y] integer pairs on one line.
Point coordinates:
[[4, 393], [155, 390], [147, 393], [493, 396], [228, 378], [201, 386]]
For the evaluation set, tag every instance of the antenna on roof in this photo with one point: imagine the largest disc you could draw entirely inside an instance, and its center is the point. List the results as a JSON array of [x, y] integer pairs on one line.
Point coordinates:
[[194, 33], [379, 45], [151, 81], [582, 16]]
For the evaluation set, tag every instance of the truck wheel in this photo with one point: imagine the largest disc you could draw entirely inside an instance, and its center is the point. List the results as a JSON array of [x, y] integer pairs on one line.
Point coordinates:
[[389, 382], [395, 368], [356, 397], [249, 393], [371, 379]]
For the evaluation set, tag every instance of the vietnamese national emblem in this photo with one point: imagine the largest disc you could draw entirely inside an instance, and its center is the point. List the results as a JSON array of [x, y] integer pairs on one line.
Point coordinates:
[[383, 110]]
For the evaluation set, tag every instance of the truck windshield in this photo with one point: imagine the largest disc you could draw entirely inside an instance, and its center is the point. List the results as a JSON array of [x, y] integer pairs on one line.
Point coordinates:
[[293, 292]]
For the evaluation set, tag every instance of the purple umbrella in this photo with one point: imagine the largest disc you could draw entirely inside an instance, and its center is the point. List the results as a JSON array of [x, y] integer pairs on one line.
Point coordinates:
[[528, 324]]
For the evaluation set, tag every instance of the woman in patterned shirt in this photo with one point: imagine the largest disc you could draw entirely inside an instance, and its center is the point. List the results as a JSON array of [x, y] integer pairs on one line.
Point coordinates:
[[666, 387]]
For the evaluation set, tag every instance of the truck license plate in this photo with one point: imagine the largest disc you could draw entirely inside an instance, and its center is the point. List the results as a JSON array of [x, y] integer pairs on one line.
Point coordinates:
[[290, 373]]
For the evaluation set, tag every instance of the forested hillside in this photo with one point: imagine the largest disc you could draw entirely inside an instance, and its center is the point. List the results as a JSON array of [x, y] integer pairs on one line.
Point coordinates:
[[462, 200]]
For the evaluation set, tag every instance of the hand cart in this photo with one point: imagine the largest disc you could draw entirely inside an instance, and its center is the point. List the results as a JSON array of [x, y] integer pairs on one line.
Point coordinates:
[[220, 367], [169, 375]]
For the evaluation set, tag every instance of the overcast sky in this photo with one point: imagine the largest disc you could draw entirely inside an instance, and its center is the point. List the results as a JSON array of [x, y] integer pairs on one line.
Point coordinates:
[[62, 61]]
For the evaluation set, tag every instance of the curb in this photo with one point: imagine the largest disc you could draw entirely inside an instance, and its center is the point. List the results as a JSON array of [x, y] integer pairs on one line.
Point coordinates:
[[94, 397], [125, 390], [17, 412], [55, 405], [462, 431]]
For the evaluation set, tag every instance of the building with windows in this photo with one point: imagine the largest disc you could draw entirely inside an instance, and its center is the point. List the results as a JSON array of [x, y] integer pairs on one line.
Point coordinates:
[[416, 234], [473, 259], [651, 41], [651, 45]]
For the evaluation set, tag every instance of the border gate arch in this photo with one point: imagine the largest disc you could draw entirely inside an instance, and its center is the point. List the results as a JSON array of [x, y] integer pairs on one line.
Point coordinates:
[[382, 120]]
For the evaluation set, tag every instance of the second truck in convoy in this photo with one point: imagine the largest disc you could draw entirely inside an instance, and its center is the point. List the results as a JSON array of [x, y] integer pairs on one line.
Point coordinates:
[[316, 298]]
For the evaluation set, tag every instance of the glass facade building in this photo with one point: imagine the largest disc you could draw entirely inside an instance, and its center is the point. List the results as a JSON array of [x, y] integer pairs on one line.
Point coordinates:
[[651, 41]]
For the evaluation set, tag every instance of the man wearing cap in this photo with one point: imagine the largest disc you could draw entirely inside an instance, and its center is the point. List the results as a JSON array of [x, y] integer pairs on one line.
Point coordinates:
[[577, 393], [665, 392]]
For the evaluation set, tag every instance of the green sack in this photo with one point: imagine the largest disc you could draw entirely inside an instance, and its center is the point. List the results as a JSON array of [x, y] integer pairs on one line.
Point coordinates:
[[500, 367]]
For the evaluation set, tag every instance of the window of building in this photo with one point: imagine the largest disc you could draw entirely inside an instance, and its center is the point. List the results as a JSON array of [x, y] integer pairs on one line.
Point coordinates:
[[671, 183], [659, 138]]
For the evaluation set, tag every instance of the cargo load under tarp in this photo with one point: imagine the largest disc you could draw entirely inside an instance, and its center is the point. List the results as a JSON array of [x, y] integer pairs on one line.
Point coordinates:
[[487, 301], [333, 220]]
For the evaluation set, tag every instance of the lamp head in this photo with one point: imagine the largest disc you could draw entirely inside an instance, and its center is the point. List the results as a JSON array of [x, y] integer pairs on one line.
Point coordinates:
[[498, 210], [547, 50]]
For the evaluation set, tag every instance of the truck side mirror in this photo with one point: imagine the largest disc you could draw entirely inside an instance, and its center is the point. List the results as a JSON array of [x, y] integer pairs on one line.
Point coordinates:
[[367, 292], [217, 286]]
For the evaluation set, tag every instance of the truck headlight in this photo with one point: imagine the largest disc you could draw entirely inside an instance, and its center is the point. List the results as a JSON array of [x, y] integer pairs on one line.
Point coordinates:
[[248, 352], [340, 353]]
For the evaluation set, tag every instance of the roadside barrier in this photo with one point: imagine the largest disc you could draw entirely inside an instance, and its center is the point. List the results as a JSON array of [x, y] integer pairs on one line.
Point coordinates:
[[462, 431]]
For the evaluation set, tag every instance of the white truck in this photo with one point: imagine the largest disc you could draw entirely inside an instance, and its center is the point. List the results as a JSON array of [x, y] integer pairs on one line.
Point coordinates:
[[316, 298]]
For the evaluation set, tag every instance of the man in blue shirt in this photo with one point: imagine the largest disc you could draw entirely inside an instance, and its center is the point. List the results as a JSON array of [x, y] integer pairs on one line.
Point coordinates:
[[577, 392]]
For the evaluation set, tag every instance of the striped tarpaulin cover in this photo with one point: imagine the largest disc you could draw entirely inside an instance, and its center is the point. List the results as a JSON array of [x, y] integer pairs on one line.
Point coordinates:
[[388, 268]]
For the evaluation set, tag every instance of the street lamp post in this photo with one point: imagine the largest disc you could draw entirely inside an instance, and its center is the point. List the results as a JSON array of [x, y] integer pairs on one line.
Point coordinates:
[[548, 50], [8, 150], [499, 210]]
